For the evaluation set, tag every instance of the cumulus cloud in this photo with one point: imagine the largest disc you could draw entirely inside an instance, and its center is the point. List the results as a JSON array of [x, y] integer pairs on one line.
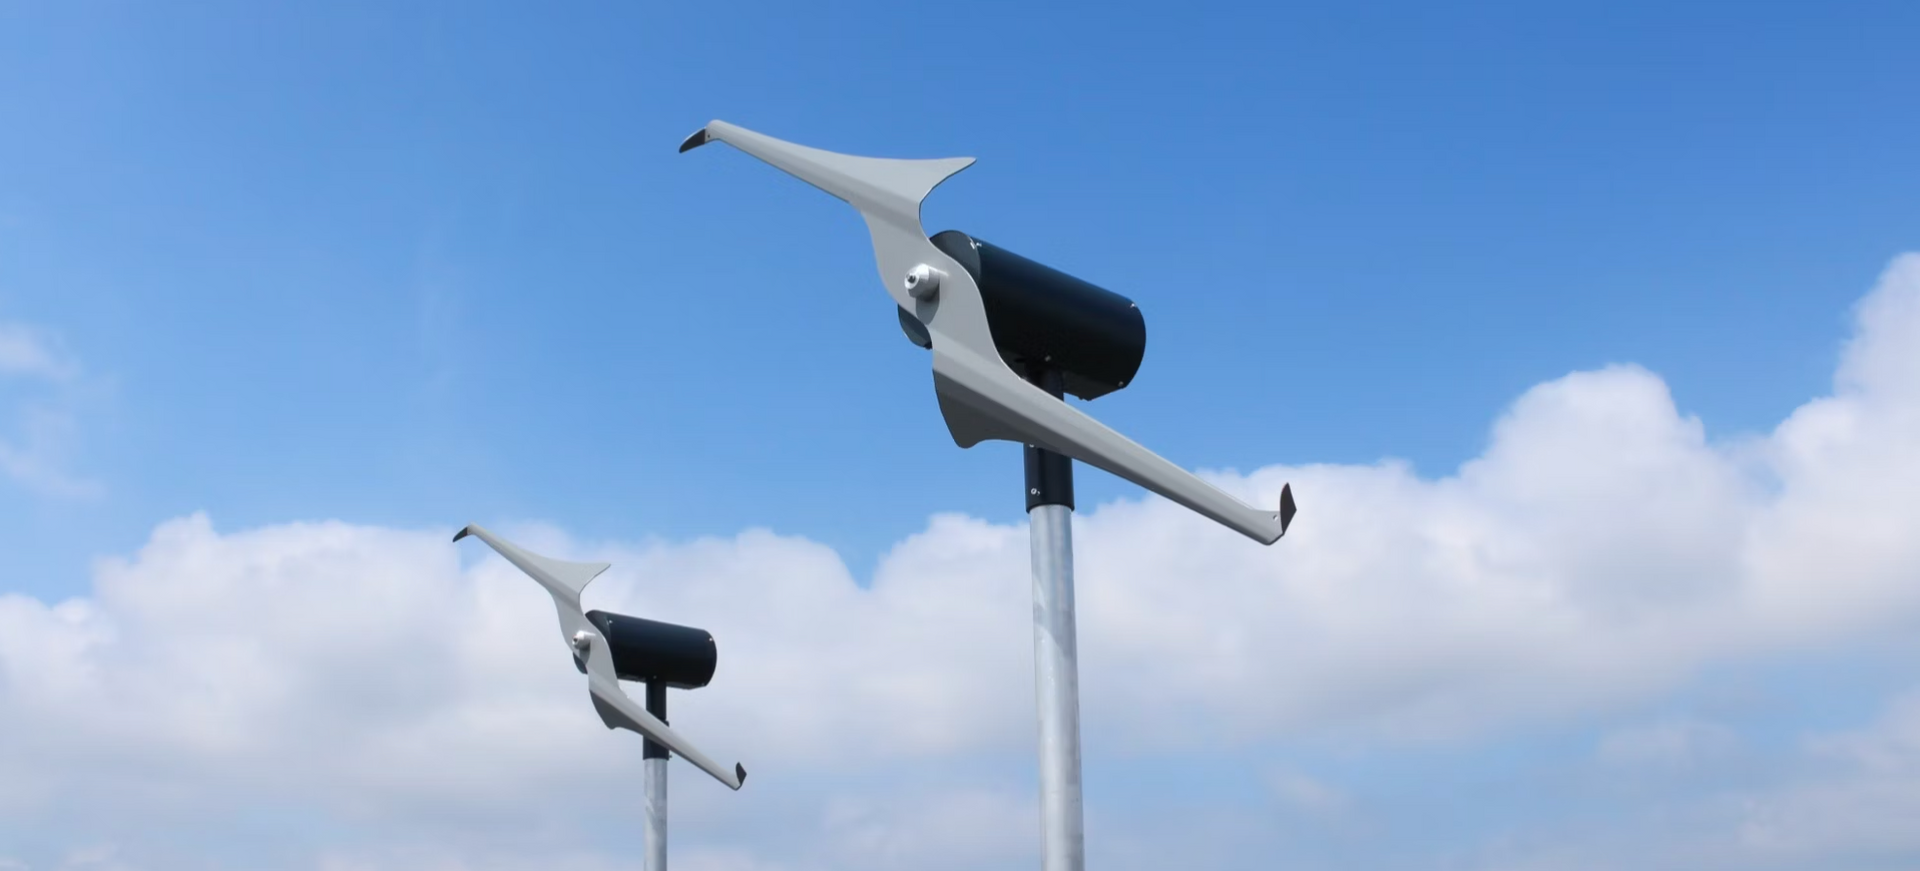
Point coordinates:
[[411, 694], [1600, 549]]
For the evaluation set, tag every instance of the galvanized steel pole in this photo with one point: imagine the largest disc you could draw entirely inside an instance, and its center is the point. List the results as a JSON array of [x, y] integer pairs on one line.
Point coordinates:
[[656, 757], [1056, 652]]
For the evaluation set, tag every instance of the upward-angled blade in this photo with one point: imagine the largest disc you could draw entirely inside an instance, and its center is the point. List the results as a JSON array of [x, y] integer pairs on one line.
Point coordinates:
[[564, 581], [874, 185], [887, 192]]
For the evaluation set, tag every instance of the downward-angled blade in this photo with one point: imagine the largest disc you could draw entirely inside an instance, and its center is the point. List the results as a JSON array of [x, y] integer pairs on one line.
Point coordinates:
[[619, 711]]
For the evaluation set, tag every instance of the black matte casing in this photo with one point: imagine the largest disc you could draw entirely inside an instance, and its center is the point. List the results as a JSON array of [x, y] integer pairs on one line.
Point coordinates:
[[681, 657], [1049, 475], [1044, 319]]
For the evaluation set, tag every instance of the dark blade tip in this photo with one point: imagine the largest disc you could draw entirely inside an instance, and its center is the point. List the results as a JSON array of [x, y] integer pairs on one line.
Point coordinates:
[[740, 772], [462, 533], [698, 139], [1287, 508]]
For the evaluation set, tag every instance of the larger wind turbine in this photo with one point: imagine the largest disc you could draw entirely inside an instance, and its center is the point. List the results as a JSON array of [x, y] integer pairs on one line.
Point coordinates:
[[1010, 337]]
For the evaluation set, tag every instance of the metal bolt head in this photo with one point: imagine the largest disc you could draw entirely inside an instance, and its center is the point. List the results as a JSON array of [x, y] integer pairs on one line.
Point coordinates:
[[923, 282], [582, 642]]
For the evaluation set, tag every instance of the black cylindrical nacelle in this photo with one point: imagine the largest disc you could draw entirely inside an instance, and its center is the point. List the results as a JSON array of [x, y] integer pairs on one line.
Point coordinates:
[[1042, 318], [647, 650]]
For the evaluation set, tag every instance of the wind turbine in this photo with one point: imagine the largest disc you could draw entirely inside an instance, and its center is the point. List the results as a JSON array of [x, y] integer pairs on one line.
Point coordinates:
[[609, 648], [1010, 337]]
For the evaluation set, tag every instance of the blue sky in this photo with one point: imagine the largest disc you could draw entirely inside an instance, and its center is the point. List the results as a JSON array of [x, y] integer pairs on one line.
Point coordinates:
[[409, 265], [415, 263]]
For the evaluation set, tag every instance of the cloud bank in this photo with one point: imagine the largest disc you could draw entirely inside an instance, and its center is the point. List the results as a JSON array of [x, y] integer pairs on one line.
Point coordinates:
[[358, 697]]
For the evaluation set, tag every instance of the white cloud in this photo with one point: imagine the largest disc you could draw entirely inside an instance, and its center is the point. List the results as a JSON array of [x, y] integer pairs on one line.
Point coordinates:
[[1840, 800], [1859, 805], [1669, 744], [412, 693], [944, 829], [89, 858], [46, 392], [1307, 794], [26, 350]]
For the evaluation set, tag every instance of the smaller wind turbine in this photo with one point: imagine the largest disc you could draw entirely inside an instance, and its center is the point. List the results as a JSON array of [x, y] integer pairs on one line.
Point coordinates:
[[610, 648]]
